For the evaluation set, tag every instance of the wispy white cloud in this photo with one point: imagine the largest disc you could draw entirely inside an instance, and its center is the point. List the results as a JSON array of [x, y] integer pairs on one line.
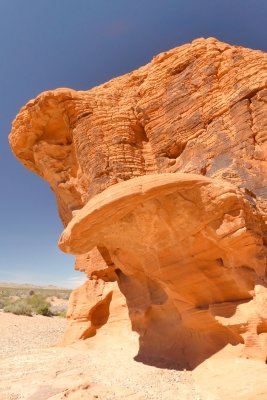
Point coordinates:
[[74, 281]]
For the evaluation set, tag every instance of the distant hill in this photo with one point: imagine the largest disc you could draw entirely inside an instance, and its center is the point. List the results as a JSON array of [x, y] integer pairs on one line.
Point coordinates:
[[30, 286]]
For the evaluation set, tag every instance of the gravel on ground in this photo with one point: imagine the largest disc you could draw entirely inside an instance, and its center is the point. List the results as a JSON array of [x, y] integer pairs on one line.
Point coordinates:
[[22, 334], [101, 367]]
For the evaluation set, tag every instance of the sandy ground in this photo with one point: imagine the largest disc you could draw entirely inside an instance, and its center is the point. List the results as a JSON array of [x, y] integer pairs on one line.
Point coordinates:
[[21, 334], [103, 368]]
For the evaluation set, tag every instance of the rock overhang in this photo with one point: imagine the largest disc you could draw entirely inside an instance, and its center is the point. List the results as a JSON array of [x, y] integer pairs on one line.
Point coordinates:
[[198, 109], [168, 206]]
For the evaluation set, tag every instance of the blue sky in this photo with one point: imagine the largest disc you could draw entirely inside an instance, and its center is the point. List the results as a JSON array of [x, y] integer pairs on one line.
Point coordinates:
[[80, 44]]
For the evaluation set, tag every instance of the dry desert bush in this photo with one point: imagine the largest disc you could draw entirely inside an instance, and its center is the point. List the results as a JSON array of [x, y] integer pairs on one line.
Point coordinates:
[[22, 301]]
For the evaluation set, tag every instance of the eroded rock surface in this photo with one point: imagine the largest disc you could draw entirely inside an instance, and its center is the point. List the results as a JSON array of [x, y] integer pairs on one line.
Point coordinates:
[[186, 244], [190, 261]]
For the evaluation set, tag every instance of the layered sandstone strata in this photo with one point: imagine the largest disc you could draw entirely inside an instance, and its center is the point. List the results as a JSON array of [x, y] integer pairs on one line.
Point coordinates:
[[186, 244]]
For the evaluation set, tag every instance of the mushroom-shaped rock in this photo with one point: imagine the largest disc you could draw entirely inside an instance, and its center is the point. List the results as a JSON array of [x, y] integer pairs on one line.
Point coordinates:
[[188, 252]]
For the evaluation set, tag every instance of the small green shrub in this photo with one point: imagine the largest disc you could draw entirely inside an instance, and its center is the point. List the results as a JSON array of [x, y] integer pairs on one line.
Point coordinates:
[[44, 309], [39, 304], [4, 302], [19, 308], [36, 301], [32, 301], [34, 304]]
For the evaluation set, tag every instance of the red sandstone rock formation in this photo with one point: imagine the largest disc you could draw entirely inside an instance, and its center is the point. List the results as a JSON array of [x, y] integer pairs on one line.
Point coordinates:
[[186, 244]]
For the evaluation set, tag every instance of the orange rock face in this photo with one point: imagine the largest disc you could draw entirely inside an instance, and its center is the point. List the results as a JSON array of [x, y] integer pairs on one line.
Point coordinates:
[[160, 180], [92, 305]]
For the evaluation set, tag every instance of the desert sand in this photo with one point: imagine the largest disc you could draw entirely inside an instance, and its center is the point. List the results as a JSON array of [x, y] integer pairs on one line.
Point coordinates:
[[102, 367]]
